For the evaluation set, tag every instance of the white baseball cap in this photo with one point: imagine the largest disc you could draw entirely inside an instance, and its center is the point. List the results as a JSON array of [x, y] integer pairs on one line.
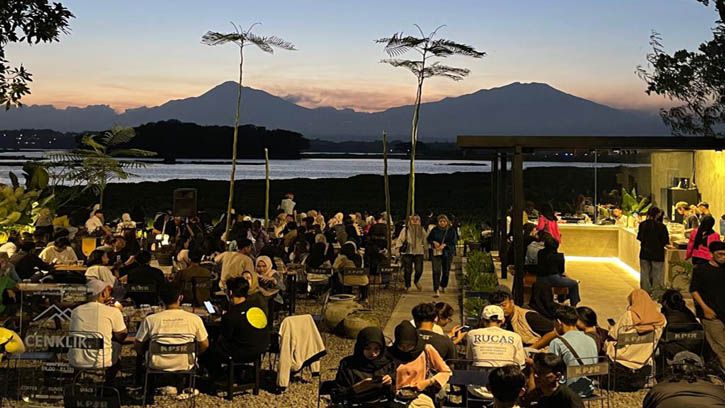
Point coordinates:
[[493, 312], [94, 287]]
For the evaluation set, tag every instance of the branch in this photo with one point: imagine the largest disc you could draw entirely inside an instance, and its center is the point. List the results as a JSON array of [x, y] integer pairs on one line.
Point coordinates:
[[398, 44], [215, 38], [267, 44]]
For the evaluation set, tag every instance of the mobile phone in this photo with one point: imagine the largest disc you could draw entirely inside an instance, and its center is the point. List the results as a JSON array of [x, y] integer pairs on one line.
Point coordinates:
[[377, 378], [465, 328], [209, 307], [611, 321]]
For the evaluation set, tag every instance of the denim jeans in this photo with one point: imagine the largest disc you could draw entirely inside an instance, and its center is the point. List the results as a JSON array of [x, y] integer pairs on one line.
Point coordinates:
[[563, 281], [441, 269], [410, 262], [651, 274]]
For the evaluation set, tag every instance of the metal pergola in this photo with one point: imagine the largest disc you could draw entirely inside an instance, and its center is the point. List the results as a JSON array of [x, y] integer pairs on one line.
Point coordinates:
[[503, 149]]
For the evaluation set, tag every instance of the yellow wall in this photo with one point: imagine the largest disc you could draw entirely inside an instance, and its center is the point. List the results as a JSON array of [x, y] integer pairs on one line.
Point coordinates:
[[710, 179], [666, 166]]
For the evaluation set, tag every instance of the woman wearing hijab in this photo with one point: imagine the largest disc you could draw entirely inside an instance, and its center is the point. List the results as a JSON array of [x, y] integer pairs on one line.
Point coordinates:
[[420, 372], [270, 281], [348, 259], [443, 240], [633, 363], [412, 245], [367, 375], [254, 295], [697, 248], [321, 253], [542, 300]]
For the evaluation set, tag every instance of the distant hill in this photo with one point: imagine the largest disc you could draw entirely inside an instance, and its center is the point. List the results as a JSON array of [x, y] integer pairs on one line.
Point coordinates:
[[514, 109]]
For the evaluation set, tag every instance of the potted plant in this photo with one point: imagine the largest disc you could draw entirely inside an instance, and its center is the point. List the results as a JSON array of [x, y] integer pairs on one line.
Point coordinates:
[[480, 280], [471, 237]]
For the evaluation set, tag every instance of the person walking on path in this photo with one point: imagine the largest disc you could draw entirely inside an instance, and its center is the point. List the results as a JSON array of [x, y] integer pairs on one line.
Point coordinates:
[[412, 246], [442, 238], [653, 237]]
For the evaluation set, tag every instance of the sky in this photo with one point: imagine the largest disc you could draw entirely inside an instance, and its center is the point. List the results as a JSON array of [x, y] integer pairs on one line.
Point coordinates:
[[130, 53]]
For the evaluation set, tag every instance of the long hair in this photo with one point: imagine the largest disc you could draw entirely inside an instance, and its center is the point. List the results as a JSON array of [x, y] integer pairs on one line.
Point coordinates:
[[547, 211], [704, 230]]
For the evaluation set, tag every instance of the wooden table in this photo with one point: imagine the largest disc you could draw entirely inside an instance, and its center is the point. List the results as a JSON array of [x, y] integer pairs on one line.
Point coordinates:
[[71, 268]]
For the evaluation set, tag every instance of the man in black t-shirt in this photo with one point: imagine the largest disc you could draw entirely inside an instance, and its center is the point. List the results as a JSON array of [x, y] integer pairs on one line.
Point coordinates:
[[687, 386], [549, 369], [244, 331], [424, 316], [144, 282], [707, 288]]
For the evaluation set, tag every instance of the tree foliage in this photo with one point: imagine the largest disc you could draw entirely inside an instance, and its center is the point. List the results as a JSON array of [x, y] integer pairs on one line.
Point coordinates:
[[428, 65], [696, 78], [31, 22], [97, 161]]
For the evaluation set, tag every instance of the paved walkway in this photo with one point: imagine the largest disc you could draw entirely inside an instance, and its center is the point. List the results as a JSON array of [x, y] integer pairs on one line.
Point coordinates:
[[412, 298]]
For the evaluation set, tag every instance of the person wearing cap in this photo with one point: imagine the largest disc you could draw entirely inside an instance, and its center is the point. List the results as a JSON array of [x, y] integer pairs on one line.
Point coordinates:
[[687, 386], [707, 288], [98, 318], [492, 346]]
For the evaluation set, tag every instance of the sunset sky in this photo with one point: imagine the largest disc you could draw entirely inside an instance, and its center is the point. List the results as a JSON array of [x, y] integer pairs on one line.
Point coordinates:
[[132, 53]]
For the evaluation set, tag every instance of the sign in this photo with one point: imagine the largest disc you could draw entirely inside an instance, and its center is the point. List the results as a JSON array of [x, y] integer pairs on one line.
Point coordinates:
[[574, 371], [319, 271], [629, 339], [354, 271], [692, 335]]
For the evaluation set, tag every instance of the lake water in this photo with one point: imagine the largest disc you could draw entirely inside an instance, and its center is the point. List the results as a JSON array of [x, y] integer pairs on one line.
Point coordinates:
[[289, 169]]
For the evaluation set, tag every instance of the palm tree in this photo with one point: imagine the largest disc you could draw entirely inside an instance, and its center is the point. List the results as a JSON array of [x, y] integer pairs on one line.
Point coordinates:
[[428, 47], [99, 160], [242, 39]]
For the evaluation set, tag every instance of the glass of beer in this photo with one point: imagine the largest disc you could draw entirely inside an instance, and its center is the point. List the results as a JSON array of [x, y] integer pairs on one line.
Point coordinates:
[[88, 245]]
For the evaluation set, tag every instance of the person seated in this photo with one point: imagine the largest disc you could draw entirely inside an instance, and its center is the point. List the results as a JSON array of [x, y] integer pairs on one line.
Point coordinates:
[[507, 385], [542, 300], [367, 375], [26, 262], [536, 331], [680, 319], [575, 348], [126, 223], [549, 371], [107, 321], [185, 279], [148, 277], [587, 323], [299, 253], [254, 295], [96, 224], [270, 281], [633, 363], [120, 254], [348, 258], [415, 362], [98, 269], [321, 254], [535, 244], [550, 269], [60, 253], [235, 262], [445, 317], [686, 386], [10, 343], [172, 326], [492, 346], [424, 316], [244, 335]]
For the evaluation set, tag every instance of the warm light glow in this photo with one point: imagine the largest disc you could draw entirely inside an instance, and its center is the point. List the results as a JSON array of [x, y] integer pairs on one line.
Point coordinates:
[[612, 260]]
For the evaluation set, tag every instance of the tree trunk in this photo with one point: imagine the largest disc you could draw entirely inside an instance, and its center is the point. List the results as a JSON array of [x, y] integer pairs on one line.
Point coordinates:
[[410, 209], [387, 194], [235, 139], [266, 189]]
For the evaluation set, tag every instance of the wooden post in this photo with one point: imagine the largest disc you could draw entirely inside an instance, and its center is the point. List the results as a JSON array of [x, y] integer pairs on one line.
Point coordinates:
[[502, 212], [387, 194], [517, 221], [266, 189], [494, 201]]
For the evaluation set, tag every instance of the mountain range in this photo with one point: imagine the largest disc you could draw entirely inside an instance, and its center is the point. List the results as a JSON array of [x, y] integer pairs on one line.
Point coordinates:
[[534, 109]]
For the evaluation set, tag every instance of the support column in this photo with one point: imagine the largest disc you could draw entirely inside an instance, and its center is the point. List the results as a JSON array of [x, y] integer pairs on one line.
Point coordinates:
[[502, 210], [517, 227], [495, 244]]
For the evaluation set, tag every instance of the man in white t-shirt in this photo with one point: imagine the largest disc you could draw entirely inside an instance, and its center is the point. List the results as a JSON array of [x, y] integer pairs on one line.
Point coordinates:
[[95, 224], [492, 346], [59, 253], [180, 326], [93, 320]]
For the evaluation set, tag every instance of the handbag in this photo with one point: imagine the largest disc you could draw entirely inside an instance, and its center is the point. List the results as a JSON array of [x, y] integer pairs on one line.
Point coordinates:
[[405, 245], [439, 252]]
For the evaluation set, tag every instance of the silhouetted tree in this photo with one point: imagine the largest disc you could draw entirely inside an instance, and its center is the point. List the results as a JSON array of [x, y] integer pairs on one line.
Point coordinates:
[[428, 47], [696, 78], [26, 21], [242, 39]]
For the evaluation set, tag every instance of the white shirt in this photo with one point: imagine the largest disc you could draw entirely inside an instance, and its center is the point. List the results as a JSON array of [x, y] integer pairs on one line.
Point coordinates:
[[99, 318], [177, 322], [65, 257], [102, 273], [9, 248], [93, 224], [495, 347]]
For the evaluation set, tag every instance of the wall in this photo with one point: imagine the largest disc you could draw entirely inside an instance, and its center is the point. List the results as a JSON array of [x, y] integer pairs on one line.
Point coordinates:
[[665, 167], [710, 179]]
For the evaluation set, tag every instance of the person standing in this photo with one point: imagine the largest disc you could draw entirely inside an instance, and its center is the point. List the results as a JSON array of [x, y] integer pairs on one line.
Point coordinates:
[[288, 204], [443, 239], [697, 247], [412, 241], [707, 287], [653, 237]]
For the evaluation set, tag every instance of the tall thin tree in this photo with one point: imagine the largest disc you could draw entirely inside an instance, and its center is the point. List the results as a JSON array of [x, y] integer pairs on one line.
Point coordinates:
[[242, 39], [428, 47], [266, 189]]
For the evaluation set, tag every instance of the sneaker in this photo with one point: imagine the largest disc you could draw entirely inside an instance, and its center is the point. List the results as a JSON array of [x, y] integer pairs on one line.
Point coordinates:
[[443, 290], [419, 286], [168, 390], [407, 288], [437, 294]]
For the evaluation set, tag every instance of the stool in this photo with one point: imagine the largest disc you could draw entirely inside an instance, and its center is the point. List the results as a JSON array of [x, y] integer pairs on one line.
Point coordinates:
[[231, 365]]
